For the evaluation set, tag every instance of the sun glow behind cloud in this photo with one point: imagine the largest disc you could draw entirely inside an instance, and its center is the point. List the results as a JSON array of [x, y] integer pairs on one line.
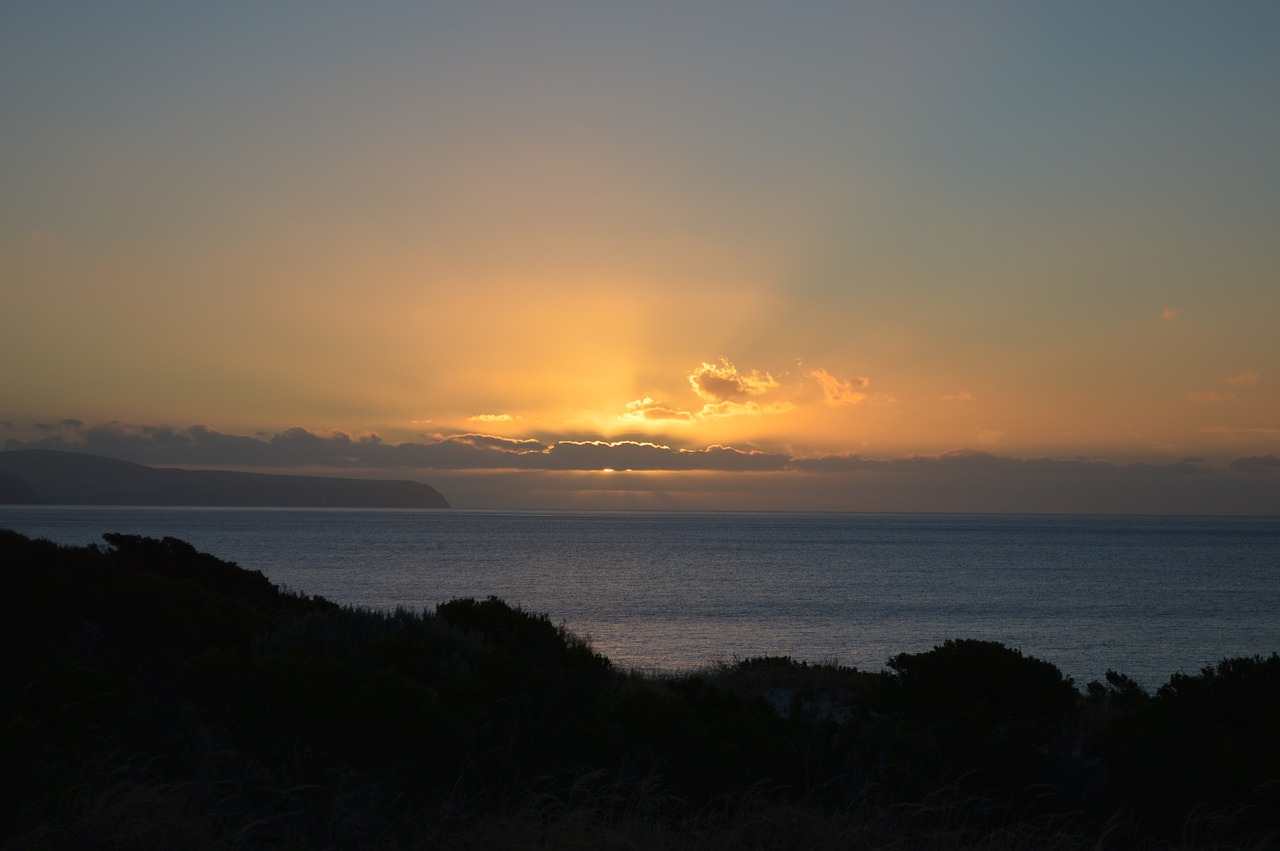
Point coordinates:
[[595, 474], [706, 235]]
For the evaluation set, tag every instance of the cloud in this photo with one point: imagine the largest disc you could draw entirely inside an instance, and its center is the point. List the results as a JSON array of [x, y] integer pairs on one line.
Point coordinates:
[[743, 409], [1257, 465], [493, 441], [634, 455], [1232, 433], [723, 381], [1170, 312], [983, 462], [989, 435], [721, 385], [960, 396], [69, 425], [961, 480], [1211, 396], [199, 445], [838, 392], [1246, 377], [492, 418], [647, 410]]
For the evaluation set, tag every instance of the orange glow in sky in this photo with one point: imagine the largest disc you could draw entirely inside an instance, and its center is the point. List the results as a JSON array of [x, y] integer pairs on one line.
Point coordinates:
[[728, 254]]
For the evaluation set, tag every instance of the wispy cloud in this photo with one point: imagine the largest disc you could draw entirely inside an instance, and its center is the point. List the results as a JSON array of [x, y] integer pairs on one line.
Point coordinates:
[[1170, 312], [1236, 434], [743, 409], [959, 396], [1240, 379], [836, 391], [1257, 465], [492, 418], [67, 425], [647, 410]]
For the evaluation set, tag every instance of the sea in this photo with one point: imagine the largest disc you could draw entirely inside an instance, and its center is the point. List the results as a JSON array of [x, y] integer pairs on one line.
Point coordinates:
[[671, 592]]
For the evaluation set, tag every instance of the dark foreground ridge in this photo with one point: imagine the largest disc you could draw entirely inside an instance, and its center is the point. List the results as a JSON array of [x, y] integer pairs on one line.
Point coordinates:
[[45, 477], [152, 696]]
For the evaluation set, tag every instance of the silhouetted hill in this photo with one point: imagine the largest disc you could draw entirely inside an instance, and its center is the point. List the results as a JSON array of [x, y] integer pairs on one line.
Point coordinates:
[[44, 477]]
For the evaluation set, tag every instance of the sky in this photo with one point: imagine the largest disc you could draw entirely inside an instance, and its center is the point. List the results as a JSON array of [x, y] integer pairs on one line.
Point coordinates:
[[915, 256]]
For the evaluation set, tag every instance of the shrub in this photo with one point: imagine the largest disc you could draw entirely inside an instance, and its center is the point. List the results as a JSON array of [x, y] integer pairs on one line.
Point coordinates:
[[1203, 741], [983, 711]]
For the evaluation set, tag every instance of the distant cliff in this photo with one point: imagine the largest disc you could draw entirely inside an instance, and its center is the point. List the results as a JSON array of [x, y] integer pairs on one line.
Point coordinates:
[[40, 477]]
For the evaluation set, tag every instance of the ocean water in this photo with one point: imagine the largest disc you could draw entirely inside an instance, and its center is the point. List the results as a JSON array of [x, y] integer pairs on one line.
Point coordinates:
[[1147, 596]]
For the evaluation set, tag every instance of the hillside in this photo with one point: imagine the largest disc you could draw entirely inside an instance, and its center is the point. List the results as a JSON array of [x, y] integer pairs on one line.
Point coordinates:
[[43, 477]]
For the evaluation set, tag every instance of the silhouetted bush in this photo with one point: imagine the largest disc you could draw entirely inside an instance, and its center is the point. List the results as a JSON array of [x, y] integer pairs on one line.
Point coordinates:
[[531, 637], [698, 742], [967, 676], [154, 696], [1120, 692], [1208, 741], [984, 712]]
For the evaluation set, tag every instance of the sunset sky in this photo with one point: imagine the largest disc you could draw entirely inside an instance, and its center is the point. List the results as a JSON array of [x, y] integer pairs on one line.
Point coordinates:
[[1016, 256]]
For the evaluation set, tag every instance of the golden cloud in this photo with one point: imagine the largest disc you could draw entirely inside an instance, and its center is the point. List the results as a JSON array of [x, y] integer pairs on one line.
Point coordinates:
[[723, 381], [838, 392], [647, 410]]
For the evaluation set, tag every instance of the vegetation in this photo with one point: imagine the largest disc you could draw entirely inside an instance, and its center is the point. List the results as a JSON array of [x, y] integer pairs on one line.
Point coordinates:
[[154, 696]]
